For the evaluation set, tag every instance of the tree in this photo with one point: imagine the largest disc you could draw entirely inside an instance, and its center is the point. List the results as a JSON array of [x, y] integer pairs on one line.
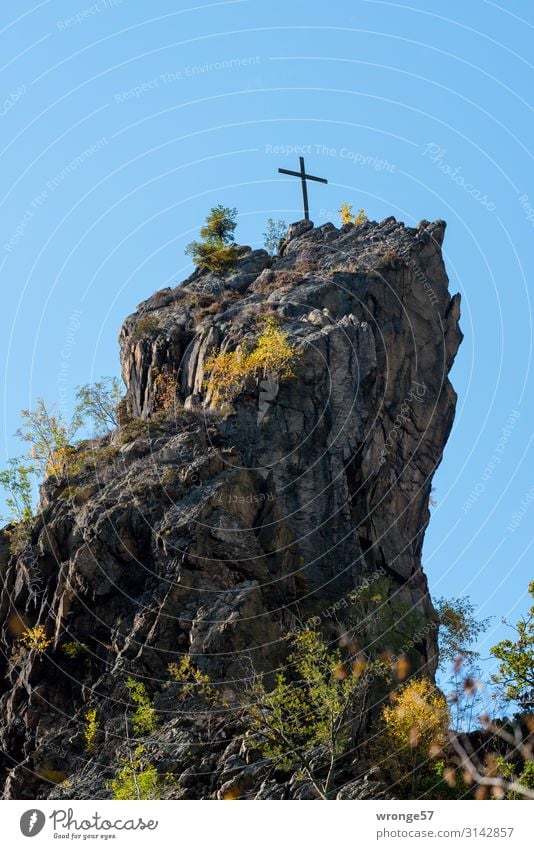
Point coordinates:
[[414, 728], [276, 231], [137, 778], [516, 669], [220, 225], [314, 708], [50, 437], [459, 630], [217, 252], [98, 402], [16, 481]]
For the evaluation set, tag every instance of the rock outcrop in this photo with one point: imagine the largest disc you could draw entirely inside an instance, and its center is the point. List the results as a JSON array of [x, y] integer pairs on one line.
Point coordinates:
[[215, 532]]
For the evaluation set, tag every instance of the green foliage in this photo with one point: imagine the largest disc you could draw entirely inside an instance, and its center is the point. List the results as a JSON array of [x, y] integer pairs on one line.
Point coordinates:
[[144, 718], [440, 780], [220, 224], [146, 325], [516, 669], [213, 256], [459, 630], [74, 650], [133, 429], [520, 772], [194, 682], [92, 727], [318, 707], [276, 231], [16, 481], [50, 437], [98, 402], [273, 353], [216, 252], [137, 778]]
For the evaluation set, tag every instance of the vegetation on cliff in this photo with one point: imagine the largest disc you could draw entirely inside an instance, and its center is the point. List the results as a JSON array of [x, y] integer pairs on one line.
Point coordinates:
[[218, 586]]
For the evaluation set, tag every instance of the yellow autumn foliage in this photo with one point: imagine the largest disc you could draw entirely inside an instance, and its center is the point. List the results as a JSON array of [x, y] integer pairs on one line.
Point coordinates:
[[346, 216], [273, 353], [414, 728]]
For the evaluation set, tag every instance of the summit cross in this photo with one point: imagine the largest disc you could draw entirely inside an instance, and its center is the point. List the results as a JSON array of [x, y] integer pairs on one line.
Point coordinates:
[[303, 177]]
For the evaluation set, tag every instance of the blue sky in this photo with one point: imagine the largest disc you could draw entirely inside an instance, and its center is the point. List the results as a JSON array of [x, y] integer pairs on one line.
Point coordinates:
[[123, 122]]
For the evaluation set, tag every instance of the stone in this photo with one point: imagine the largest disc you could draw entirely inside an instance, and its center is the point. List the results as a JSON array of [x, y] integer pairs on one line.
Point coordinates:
[[213, 528]]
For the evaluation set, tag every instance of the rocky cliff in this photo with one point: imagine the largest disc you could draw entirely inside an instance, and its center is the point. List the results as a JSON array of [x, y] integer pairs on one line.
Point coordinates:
[[215, 530]]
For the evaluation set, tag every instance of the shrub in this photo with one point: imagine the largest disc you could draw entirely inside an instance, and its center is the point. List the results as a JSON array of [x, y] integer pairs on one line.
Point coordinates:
[[144, 718], [213, 256], [132, 430], [347, 217], [92, 727], [165, 389], [276, 231], [35, 639], [74, 650], [414, 728], [146, 325], [521, 773], [272, 354], [137, 778], [194, 682]]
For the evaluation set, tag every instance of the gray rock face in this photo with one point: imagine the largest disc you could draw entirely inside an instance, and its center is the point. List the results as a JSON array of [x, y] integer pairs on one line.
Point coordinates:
[[215, 531]]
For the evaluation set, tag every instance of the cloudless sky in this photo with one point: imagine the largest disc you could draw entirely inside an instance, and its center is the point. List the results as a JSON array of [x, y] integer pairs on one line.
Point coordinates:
[[122, 123]]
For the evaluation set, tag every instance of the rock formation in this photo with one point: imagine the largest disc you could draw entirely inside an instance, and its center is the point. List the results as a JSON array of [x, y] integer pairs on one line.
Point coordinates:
[[214, 531]]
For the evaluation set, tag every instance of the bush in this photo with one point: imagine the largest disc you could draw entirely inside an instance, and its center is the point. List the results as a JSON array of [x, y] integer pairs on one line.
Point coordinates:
[[146, 325], [35, 639], [144, 718], [91, 730], [276, 231], [273, 354], [521, 773], [414, 728], [165, 390], [194, 682], [213, 256], [74, 650], [347, 217]]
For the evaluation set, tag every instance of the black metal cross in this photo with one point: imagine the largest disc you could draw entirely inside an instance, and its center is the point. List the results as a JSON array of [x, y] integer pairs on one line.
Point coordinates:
[[303, 177]]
